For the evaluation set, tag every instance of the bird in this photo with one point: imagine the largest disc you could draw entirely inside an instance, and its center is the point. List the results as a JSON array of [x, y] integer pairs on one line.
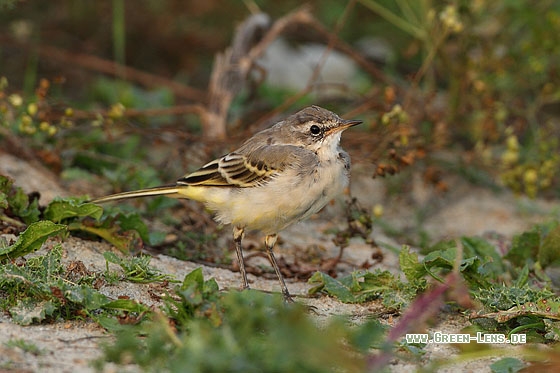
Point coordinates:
[[278, 177]]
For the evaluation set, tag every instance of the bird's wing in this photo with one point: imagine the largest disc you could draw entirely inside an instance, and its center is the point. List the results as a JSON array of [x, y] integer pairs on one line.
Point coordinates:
[[254, 168]]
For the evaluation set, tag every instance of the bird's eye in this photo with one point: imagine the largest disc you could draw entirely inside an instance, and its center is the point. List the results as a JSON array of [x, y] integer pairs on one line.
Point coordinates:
[[315, 130]]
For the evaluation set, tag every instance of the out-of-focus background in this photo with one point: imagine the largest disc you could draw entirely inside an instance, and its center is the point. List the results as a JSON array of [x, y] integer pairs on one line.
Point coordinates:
[[476, 77]]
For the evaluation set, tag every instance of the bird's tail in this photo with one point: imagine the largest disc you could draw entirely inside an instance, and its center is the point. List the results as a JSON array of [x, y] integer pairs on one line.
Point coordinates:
[[166, 190]]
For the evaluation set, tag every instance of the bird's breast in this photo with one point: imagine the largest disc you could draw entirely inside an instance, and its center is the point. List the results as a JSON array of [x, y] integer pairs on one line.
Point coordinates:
[[289, 197]]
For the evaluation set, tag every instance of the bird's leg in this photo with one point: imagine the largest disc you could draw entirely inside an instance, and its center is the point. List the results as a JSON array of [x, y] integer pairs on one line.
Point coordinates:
[[269, 242], [238, 234]]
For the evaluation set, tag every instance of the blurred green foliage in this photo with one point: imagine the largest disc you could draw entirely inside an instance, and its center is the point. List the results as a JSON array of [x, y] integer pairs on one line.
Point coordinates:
[[246, 331], [43, 289]]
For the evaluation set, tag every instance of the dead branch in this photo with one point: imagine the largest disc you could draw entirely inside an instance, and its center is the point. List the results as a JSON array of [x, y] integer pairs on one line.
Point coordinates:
[[229, 75], [232, 68]]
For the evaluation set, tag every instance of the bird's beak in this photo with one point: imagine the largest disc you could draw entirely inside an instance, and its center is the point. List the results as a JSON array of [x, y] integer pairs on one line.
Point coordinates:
[[344, 124]]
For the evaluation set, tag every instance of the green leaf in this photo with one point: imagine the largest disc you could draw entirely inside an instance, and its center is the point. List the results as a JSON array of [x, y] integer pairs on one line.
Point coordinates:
[[31, 239], [362, 286], [28, 311], [110, 323], [129, 305], [549, 251], [195, 281], [439, 246], [112, 258], [368, 335], [20, 205], [3, 200], [469, 263], [120, 306], [409, 264], [210, 286], [441, 258], [31, 213], [526, 247], [122, 241], [18, 202], [523, 277], [507, 365], [61, 209], [86, 296], [125, 231], [191, 290], [332, 287], [134, 222], [137, 268], [197, 298], [6, 184], [477, 246], [195, 278]]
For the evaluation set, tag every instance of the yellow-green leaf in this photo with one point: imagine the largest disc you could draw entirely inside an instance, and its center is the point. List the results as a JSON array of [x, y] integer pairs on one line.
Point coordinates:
[[31, 239], [61, 209]]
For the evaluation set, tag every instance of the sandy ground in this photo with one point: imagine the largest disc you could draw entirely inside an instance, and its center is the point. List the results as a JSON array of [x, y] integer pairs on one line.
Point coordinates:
[[464, 210]]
